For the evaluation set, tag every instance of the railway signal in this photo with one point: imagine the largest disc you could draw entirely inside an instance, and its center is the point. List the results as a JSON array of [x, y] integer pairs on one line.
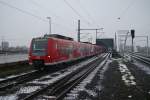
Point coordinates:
[[132, 35]]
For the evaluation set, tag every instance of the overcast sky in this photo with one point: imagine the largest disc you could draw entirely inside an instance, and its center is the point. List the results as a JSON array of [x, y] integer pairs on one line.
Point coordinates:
[[21, 20]]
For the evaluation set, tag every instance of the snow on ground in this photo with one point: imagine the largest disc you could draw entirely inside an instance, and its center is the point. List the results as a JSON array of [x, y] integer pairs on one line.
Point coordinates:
[[10, 97], [48, 79], [1, 79], [101, 75], [143, 67], [73, 95], [127, 77], [61, 75], [28, 89], [12, 76]]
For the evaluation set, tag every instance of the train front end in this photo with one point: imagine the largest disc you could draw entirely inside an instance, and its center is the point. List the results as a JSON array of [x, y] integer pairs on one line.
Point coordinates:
[[38, 54]]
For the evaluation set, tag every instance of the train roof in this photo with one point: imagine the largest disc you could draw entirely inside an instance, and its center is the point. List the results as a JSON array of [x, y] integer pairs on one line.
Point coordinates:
[[86, 42], [58, 36], [54, 36]]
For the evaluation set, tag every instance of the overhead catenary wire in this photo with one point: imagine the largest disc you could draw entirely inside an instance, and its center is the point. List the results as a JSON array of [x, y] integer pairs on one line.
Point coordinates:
[[21, 10], [126, 9], [47, 10], [41, 6], [28, 13], [76, 12], [84, 36], [87, 13]]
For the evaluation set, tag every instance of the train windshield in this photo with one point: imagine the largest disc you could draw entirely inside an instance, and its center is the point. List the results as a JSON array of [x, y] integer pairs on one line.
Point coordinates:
[[39, 46]]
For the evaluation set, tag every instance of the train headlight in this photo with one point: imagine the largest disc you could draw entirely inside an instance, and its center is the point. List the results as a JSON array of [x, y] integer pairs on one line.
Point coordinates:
[[49, 56]]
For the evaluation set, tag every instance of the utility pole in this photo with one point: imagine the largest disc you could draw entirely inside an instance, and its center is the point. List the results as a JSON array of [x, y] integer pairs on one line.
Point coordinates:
[[115, 41], [125, 43], [3, 39], [147, 47], [132, 51], [96, 34], [78, 30], [133, 35], [49, 18]]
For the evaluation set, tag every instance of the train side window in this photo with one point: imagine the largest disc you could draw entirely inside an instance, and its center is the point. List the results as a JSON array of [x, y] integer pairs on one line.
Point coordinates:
[[56, 46]]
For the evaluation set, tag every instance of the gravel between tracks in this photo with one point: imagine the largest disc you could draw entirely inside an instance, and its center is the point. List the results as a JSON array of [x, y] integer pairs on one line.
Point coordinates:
[[89, 87], [119, 81], [22, 90]]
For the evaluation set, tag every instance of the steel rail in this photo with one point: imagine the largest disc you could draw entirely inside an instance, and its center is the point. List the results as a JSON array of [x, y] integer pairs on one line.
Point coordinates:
[[10, 82], [141, 58], [15, 77], [74, 82], [22, 79], [64, 80]]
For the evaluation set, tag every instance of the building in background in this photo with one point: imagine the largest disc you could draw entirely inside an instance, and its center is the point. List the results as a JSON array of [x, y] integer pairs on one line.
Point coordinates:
[[0, 48], [5, 45], [108, 43]]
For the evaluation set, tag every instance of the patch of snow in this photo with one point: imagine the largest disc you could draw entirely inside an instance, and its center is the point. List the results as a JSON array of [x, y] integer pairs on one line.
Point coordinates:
[[101, 75], [70, 98], [127, 77], [91, 92], [130, 96], [12, 76], [116, 58], [109, 61], [54, 79], [73, 95], [1, 79], [47, 76], [8, 97], [127, 58], [28, 89], [59, 76], [143, 67], [49, 97]]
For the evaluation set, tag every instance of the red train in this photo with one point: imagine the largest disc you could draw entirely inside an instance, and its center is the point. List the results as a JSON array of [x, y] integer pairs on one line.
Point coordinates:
[[54, 49]]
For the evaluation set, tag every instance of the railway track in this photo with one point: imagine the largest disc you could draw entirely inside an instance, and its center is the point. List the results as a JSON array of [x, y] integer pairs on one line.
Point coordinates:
[[145, 55], [142, 79], [140, 73], [10, 78], [140, 58], [10, 82], [58, 89], [6, 90], [19, 79]]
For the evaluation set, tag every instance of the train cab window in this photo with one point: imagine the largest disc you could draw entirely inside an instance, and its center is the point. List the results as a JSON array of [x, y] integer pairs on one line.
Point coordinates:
[[39, 46]]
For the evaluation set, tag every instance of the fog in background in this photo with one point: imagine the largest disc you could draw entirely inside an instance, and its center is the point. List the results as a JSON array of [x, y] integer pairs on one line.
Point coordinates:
[[21, 20]]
